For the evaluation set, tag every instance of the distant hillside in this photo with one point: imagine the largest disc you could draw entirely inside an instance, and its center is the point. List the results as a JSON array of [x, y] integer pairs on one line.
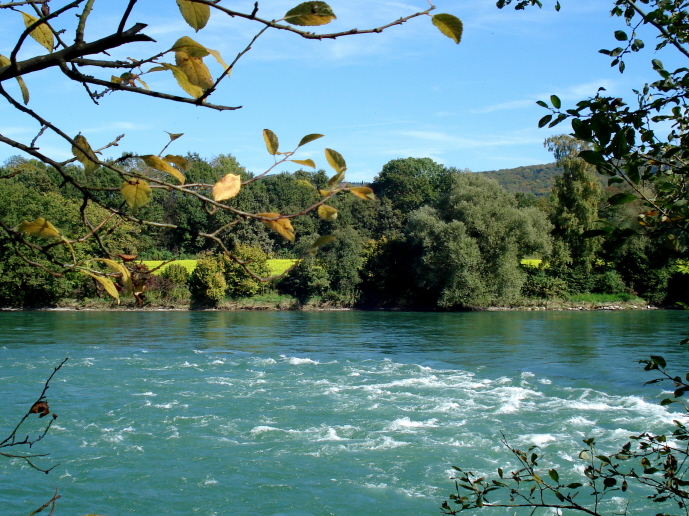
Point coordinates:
[[534, 179]]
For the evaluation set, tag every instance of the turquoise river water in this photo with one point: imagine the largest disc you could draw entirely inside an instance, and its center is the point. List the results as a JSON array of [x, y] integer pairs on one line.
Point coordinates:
[[316, 413]]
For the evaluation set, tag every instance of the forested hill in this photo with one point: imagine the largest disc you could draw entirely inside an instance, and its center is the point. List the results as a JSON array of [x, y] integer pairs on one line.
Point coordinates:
[[532, 179]]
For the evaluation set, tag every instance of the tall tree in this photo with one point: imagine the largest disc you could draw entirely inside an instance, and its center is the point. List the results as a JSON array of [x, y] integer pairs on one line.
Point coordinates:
[[576, 195]]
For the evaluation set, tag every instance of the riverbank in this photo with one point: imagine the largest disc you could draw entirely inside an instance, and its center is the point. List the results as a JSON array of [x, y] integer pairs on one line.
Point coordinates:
[[287, 303]]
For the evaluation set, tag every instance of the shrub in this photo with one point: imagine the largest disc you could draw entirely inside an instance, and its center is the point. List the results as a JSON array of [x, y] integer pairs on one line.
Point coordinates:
[[207, 283]]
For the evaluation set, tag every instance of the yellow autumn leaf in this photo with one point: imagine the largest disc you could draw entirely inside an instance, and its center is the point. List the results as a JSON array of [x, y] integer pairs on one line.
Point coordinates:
[[136, 192], [304, 162], [176, 160], [280, 224], [42, 34], [107, 283], [4, 62], [39, 227], [174, 136], [364, 192], [118, 267], [272, 143], [227, 187], [85, 154], [195, 69], [160, 164], [327, 212], [335, 160], [183, 81], [194, 13], [449, 25]]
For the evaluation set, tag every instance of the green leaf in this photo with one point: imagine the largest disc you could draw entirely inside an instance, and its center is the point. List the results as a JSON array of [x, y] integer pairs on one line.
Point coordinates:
[[309, 14], [657, 65], [271, 140], [544, 121], [659, 360], [621, 198], [621, 35], [449, 25], [555, 100], [609, 482], [321, 241], [334, 181], [136, 192], [335, 160], [190, 47], [194, 13], [309, 138], [541, 103], [554, 475]]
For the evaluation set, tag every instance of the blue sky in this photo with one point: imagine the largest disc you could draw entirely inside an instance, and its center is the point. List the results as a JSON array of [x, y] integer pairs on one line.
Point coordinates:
[[406, 92]]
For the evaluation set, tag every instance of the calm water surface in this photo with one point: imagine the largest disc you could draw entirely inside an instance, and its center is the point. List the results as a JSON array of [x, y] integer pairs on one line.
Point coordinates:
[[334, 413]]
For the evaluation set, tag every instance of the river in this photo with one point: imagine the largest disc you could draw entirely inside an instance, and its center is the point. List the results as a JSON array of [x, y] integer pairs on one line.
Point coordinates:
[[315, 413]]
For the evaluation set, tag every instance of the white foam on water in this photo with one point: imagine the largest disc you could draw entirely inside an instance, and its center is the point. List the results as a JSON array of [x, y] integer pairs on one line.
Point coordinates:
[[265, 361], [218, 362], [147, 393], [298, 361], [169, 405], [331, 436], [512, 398], [580, 421], [406, 424], [545, 381], [542, 439]]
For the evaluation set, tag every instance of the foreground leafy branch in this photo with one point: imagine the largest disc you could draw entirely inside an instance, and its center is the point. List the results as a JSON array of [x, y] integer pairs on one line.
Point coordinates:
[[658, 463]]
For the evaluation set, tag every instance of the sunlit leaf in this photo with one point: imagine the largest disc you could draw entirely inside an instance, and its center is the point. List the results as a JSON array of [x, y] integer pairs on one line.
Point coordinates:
[[309, 138], [584, 455], [119, 268], [271, 140], [327, 212], [449, 25], [227, 187], [85, 154], [336, 180], [310, 14], [136, 192], [42, 34], [174, 136], [218, 58], [183, 81], [143, 83], [195, 69], [304, 162], [335, 160], [4, 62], [324, 193], [160, 164], [363, 192], [177, 160], [107, 283], [39, 227], [282, 225], [190, 47], [194, 13]]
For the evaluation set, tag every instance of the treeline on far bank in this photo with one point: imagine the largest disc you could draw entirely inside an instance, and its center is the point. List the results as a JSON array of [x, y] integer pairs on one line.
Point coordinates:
[[434, 238]]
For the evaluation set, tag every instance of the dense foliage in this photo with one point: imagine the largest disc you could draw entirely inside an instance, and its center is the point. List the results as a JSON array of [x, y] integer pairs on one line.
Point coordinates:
[[434, 238]]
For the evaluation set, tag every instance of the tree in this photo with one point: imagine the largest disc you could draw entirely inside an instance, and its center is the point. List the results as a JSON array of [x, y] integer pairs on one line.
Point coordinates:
[[471, 246], [576, 195], [134, 179], [411, 183]]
